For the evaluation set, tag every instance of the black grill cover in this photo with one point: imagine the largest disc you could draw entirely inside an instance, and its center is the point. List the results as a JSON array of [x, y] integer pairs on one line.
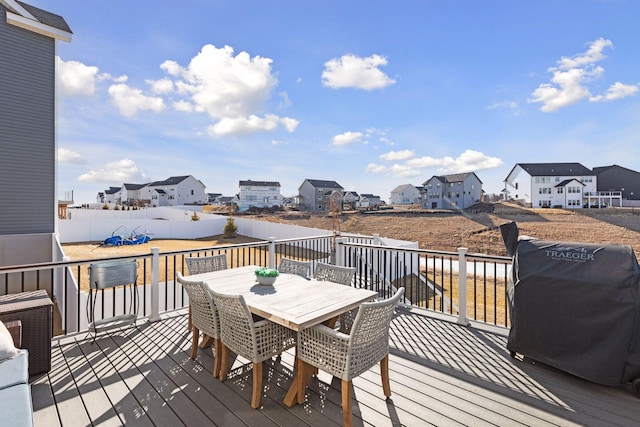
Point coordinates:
[[574, 306]]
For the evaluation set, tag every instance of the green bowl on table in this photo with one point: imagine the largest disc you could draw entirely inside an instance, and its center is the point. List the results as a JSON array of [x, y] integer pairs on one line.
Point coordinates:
[[266, 276]]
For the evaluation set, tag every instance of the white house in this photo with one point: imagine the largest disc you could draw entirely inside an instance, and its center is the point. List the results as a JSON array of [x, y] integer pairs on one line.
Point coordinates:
[[261, 194], [173, 191], [565, 185], [405, 194], [456, 191]]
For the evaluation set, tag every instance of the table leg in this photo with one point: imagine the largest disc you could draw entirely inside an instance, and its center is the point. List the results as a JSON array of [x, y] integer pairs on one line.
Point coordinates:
[[206, 341], [302, 374]]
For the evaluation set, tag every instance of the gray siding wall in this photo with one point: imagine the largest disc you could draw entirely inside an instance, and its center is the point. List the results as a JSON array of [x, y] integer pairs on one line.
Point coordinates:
[[27, 131]]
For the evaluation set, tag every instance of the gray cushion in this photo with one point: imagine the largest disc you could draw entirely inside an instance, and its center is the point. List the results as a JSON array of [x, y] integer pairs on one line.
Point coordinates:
[[15, 370], [15, 406]]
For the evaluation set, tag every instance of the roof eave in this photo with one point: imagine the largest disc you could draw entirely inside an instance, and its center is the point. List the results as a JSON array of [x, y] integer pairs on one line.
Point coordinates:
[[37, 27]]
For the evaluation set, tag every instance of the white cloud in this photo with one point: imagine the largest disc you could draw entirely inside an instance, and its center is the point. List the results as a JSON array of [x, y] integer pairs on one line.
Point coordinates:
[[394, 156], [616, 91], [162, 86], [469, 160], [67, 156], [373, 168], [347, 138], [122, 171], [75, 78], [251, 124], [183, 106], [129, 101], [571, 77], [222, 84], [356, 72], [275, 142]]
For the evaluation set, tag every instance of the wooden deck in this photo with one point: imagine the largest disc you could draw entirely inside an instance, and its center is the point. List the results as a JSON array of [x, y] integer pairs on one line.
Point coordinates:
[[441, 374]]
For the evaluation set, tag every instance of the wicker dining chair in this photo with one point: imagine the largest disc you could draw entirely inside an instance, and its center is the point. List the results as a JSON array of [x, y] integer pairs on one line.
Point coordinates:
[[254, 340], [204, 317], [292, 266], [348, 355], [199, 265], [344, 276]]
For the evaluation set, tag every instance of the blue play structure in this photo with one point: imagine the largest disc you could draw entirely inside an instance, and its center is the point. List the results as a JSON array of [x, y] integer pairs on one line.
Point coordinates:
[[134, 238]]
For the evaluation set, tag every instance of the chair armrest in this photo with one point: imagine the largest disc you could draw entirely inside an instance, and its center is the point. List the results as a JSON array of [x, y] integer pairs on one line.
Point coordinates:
[[324, 348], [15, 329]]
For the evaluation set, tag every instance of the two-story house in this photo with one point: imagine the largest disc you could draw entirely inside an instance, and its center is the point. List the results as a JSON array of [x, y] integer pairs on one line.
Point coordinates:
[[564, 185], [28, 146], [320, 195], [405, 194], [455, 191], [618, 186], [261, 194]]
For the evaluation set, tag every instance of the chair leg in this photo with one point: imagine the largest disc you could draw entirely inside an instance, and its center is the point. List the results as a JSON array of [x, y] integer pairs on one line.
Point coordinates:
[[195, 335], [384, 373], [347, 418], [224, 363], [217, 356], [257, 385]]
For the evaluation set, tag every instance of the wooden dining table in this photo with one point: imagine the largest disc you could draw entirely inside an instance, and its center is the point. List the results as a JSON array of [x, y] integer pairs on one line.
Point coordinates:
[[292, 301]]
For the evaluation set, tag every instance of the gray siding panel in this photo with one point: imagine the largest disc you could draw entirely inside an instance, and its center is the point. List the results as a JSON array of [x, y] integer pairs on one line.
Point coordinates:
[[27, 131]]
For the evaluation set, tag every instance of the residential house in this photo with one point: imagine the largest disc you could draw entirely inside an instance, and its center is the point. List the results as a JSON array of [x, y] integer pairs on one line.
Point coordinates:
[[173, 191], [28, 146], [212, 198], [618, 182], [405, 194], [564, 185], [261, 194], [455, 191], [350, 199], [319, 195], [370, 201]]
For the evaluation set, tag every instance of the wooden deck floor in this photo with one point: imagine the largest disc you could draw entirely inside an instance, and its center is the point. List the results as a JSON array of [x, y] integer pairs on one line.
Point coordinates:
[[441, 374]]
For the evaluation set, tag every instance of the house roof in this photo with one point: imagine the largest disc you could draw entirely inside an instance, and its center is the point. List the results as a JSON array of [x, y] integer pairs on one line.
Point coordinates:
[[112, 190], [567, 181], [260, 183], [456, 177], [318, 183], [134, 186], [174, 180], [37, 20], [555, 169], [402, 187]]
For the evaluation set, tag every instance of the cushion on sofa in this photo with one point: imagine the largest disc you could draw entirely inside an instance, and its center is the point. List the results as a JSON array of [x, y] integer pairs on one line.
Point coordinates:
[[15, 405], [7, 348], [14, 371]]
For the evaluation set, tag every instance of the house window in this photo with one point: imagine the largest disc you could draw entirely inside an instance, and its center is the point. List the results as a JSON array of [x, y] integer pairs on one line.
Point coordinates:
[[560, 190], [473, 186], [192, 192], [516, 186]]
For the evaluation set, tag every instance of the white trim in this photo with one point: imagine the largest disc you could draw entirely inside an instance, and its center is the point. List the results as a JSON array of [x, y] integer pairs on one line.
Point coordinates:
[[37, 27], [16, 6]]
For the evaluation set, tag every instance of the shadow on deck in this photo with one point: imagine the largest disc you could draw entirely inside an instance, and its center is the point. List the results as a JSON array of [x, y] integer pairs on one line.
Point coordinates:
[[441, 374]]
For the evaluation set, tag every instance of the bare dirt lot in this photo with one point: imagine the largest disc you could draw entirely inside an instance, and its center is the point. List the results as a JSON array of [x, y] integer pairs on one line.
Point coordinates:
[[478, 231]]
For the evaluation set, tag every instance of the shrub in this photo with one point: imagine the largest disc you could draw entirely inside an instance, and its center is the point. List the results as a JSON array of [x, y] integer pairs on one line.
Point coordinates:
[[195, 217], [105, 207], [230, 228]]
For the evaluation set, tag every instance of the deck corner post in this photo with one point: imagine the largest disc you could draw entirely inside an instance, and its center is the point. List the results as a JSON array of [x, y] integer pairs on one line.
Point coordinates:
[[340, 255], [272, 252], [462, 287], [155, 285]]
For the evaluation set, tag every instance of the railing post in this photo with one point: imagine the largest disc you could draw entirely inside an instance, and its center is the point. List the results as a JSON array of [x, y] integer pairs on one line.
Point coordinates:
[[462, 287], [272, 252], [340, 251], [376, 239], [155, 285]]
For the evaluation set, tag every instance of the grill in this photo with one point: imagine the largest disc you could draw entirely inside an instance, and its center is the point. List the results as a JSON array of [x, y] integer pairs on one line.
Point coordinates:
[[574, 306]]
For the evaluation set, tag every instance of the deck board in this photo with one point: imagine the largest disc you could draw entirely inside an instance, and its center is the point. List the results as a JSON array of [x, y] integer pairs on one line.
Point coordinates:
[[441, 374]]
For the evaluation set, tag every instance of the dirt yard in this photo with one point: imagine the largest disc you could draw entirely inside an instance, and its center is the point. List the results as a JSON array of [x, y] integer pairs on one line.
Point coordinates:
[[479, 232]]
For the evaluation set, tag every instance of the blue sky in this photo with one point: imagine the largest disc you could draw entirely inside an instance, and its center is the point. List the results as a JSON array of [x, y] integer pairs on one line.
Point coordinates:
[[371, 94]]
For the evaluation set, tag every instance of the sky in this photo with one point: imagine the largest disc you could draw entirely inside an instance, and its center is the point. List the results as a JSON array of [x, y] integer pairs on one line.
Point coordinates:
[[370, 94]]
